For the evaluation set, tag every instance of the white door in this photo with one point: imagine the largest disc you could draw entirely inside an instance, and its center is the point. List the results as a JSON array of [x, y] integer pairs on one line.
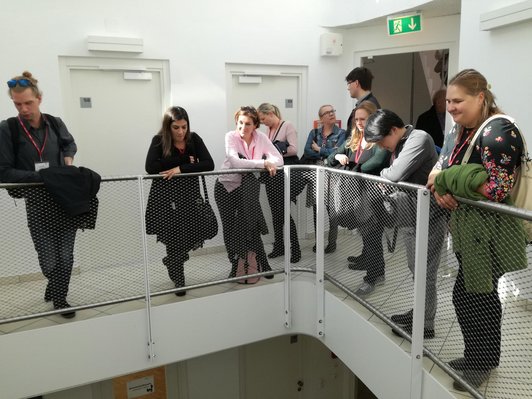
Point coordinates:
[[113, 112], [281, 91]]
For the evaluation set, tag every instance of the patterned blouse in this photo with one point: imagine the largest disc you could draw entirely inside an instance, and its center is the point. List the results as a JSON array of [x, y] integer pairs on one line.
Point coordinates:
[[498, 148]]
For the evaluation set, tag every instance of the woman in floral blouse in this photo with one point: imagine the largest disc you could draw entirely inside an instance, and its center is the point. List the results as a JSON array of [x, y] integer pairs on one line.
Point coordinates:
[[498, 150]]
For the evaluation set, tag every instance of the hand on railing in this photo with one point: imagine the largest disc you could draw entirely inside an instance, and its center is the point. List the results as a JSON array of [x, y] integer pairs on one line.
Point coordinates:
[[270, 167]]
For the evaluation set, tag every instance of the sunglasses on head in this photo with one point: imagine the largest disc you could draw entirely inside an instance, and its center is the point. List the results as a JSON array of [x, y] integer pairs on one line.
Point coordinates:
[[21, 82]]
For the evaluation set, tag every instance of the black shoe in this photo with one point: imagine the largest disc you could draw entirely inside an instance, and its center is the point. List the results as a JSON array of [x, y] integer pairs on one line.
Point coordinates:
[[48, 293], [276, 253], [404, 318], [63, 304], [295, 256], [180, 284], [267, 269], [329, 249], [460, 364], [473, 377], [428, 333]]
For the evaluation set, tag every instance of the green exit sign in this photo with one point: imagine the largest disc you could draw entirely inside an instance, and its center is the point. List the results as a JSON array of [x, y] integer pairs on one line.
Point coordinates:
[[404, 24]]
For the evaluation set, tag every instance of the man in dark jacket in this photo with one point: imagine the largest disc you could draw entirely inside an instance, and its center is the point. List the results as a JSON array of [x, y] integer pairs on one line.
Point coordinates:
[[29, 143], [432, 121], [359, 86]]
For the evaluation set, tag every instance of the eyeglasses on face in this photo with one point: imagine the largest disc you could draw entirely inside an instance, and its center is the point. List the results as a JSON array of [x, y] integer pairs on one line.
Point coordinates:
[[21, 82], [330, 112]]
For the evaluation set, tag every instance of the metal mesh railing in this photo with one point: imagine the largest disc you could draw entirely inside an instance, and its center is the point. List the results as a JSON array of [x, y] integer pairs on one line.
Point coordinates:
[[368, 242], [56, 259], [380, 241]]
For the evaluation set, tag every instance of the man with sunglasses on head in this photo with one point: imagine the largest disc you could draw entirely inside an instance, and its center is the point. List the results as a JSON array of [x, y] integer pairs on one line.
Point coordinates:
[[30, 142]]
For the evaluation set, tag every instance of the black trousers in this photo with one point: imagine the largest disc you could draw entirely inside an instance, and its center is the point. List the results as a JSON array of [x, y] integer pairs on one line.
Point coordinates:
[[372, 252], [479, 316], [175, 259], [275, 191], [236, 238], [53, 234]]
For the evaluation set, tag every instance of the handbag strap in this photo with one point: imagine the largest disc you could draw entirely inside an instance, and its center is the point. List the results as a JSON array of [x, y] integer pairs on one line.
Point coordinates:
[[205, 193], [277, 131], [469, 150]]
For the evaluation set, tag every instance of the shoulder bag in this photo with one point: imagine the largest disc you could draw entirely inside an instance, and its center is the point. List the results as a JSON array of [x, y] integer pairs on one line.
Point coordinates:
[[207, 222], [522, 188]]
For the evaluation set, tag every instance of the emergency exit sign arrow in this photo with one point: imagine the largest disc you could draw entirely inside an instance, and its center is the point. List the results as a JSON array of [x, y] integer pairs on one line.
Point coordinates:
[[404, 24]]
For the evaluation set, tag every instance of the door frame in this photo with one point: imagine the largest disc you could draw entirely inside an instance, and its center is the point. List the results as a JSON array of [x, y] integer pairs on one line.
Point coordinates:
[[452, 65], [69, 63]]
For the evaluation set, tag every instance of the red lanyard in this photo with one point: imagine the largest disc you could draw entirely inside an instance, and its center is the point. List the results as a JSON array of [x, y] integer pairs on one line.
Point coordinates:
[[359, 152], [454, 154], [39, 150]]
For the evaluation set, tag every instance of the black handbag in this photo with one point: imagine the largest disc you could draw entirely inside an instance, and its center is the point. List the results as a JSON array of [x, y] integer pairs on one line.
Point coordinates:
[[207, 221], [350, 201], [282, 146]]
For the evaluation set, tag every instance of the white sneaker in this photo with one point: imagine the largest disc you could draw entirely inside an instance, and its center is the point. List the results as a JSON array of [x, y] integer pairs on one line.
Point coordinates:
[[367, 288]]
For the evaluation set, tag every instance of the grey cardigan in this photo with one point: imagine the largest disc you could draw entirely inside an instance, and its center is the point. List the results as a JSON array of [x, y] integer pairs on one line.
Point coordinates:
[[413, 158]]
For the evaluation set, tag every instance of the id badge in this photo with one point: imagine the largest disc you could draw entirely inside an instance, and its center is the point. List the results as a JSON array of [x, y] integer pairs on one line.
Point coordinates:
[[41, 165]]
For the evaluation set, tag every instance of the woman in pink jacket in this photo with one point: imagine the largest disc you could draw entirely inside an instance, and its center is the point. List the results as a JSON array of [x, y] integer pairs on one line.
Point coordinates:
[[237, 195]]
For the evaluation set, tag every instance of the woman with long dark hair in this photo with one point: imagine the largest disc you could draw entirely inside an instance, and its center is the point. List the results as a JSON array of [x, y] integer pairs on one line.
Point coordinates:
[[170, 213]]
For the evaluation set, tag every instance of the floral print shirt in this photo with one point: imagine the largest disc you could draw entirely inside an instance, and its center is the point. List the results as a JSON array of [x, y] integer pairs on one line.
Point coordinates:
[[498, 148]]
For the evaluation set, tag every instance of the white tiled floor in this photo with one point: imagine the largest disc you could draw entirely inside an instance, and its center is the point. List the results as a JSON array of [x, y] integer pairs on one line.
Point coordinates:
[[511, 380]]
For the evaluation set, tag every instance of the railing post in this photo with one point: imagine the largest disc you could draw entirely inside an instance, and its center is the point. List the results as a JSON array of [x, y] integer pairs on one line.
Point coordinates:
[[420, 282], [151, 353], [320, 268], [287, 270]]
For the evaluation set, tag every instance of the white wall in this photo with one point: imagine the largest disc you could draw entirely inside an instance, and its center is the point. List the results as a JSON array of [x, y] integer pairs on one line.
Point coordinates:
[[502, 56], [348, 12], [197, 37], [440, 32], [101, 348]]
